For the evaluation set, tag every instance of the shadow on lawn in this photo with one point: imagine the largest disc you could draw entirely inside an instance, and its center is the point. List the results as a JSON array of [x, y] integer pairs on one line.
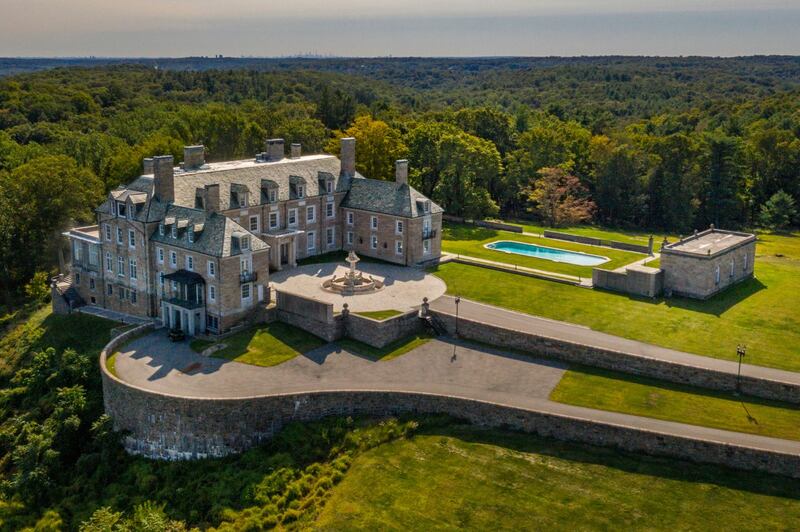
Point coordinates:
[[636, 463]]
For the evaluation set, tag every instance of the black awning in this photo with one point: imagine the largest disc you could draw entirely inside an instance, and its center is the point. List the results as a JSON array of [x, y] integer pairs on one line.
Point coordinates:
[[185, 277]]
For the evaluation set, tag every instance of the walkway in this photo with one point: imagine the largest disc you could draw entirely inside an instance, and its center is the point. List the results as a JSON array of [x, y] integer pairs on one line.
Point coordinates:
[[112, 315], [153, 363], [509, 319], [513, 268]]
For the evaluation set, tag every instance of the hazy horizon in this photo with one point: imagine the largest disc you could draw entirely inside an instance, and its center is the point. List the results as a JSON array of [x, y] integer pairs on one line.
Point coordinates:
[[357, 28]]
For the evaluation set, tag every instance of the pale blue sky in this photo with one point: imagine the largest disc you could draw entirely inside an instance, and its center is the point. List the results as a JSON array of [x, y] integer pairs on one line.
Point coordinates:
[[416, 27]]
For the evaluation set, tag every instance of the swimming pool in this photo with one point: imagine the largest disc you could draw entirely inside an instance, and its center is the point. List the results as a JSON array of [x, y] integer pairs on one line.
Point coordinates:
[[542, 252]]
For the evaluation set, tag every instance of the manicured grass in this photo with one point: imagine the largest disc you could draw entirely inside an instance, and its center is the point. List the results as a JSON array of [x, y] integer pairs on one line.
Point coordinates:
[[655, 263], [761, 313], [393, 350], [619, 392], [111, 363], [467, 478], [619, 235], [199, 345], [470, 240], [379, 314], [265, 345]]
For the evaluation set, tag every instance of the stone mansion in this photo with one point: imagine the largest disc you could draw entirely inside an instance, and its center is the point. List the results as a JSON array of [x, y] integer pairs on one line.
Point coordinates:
[[193, 245]]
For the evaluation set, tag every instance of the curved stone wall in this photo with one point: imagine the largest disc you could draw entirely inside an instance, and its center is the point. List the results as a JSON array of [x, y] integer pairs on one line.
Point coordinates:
[[171, 427]]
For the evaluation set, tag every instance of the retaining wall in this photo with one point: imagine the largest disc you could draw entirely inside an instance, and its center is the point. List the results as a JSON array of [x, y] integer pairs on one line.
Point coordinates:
[[380, 333], [625, 246], [642, 281], [616, 360]]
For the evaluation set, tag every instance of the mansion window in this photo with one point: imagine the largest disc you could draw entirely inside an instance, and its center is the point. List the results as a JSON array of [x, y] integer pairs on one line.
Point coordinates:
[[311, 241], [398, 227], [119, 235], [175, 230], [398, 247], [273, 195], [244, 265], [254, 224], [329, 211], [212, 269], [109, 262], [110, 288], [93, 256], [131, 238], [300, 191], [311, 214], [190, 263], [160, 254], [212, 323], [190, 234], [374, 222], [426, 246], [107, 231], [132, 268], [161, 229], [133, 296], [329, 187], [121, 209], [329, 236], [374, 243], [292, 217], [77, 251], [212, 293], [350, 237], [121, 266], [244, 242], [349, 218], [246, 292], [273, 220], [91, 283], [173, 259]]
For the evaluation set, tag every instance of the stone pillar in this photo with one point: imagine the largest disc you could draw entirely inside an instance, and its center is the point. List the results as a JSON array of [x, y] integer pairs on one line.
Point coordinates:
[[164, 178], [650, 246], [274, 149], [401, 172], [345, 310], [347, 155], [296, 150], [194, 157], [424, 308], [147, 166]]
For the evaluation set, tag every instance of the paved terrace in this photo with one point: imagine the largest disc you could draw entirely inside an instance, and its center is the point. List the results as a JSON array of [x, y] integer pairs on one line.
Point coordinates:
[[153, 363], [584, 335]]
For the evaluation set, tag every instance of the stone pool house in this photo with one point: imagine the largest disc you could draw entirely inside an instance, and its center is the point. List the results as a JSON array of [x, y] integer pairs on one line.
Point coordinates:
[[193, 245]]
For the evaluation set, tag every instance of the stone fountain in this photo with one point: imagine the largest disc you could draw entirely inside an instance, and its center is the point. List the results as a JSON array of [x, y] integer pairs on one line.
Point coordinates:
[[354, 281]]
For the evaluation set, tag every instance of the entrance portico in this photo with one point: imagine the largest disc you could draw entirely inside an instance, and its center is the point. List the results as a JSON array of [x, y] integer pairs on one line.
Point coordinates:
[[183, 303], [282, 248]]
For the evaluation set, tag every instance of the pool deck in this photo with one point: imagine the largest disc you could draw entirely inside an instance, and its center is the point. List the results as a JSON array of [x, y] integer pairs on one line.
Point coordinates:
[[490, 245]]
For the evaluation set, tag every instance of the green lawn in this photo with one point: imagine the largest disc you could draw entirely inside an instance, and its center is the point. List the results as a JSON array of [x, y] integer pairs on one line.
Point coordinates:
[[379, 314], [763, 313], [469, 240], [467, 478], [618, 392], [393, 350], [629, 237], [655, 263], [264, 345]]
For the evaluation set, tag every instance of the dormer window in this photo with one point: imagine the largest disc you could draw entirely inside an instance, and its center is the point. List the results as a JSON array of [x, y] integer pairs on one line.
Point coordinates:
[[329, 186], [161, 229], [300, 191], [121, 209], [273, 195], [244, 242], [190, 234], [175, 230]]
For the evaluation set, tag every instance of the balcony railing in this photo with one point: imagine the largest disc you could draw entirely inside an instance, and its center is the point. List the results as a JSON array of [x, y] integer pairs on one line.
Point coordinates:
[[248, 277], [427, 235]]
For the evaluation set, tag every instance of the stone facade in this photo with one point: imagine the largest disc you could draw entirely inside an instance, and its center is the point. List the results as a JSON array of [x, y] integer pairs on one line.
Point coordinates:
[[193, 245], [703, 264]]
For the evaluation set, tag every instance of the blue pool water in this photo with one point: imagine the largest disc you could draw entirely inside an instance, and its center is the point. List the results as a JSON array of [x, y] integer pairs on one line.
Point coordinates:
[[542, 252]]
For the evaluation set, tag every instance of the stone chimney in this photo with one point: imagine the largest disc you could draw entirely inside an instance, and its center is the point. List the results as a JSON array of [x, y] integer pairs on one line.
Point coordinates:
[[194, 157], [274, 149], [296, 150], [164, 178], [147, 166], [212, 198], [401, 172], [348, 156]]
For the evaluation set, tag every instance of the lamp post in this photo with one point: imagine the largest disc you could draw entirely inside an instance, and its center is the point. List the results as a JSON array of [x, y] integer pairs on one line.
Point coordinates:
[[741, 350], [458, 300]]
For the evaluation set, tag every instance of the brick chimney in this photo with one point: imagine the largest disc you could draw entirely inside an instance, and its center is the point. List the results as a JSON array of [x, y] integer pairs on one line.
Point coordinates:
[[147, 166], [274, 149], [348, 156], [295, 150], [401, 172], [164, 178], [194, 157], [212, 198]]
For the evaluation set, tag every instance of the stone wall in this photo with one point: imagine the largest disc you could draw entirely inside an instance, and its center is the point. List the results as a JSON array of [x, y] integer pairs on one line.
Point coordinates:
[[637, 280], [380, 333], [625, 246], [615, 360], [304, 306], [175, 428], [693, 275]]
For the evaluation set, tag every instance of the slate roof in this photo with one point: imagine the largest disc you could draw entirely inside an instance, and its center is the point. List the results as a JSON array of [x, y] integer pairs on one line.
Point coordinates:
[[215, 238], [386, 197]]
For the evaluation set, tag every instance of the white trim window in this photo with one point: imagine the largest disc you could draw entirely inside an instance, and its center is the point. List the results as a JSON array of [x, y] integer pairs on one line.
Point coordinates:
[[329, 186], [161, 228], [107, 232], [212, 292], [244, 265], [93, 255], [119, 235], [330, 212], [244, 243], [350, 238], [121, 266], [292, 217], [246, 292], [350, 217], [373, 223], [173, 259], [190, 234], [160, 255], [374, 243], [311, 241], [311, 214], [131, 238], [109, 263], [212, 268], [77, 247], [274, 220], [398, 227], [330, 236], [174, 230], [300, 191], [716, 275], [398, 247], [426, 247], [253, 224], [132, 268], [190, 263], [273, 195]]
